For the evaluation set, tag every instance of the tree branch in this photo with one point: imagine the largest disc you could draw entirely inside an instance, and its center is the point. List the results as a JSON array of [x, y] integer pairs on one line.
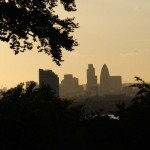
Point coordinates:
[[6, 39]]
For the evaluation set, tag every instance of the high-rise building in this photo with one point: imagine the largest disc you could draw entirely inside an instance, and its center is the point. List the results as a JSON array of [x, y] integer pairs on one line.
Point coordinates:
[[91, 86], [49, 78], [104, 81], [109, 85], [115, 85], [70, 87]]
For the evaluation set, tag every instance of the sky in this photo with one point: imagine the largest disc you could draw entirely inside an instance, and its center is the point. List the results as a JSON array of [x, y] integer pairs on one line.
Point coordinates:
[[112, 32]]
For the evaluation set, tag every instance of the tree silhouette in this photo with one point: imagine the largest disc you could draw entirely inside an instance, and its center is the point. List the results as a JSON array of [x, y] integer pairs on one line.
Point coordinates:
[[34, 118], [140, 108], [23, 22], [135, 119]]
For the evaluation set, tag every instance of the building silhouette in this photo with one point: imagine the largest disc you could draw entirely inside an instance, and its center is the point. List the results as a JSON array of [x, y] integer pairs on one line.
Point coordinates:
[[115, 85], [104, 81], [91, 86], [49, 78], [109, 85], [70, 87]]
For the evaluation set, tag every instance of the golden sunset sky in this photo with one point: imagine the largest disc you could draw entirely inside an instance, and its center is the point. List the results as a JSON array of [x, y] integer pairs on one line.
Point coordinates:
[[115, 32]]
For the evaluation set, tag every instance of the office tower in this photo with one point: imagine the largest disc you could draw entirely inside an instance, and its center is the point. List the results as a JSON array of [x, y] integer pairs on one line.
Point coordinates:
[[104, 81], [109, 85], [91, 86], [70, 87], [49, 78], [115, 85]]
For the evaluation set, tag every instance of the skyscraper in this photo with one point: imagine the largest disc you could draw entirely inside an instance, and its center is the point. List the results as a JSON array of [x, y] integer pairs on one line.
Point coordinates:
[[109, 85], [91, 86], [49, 78], [104, 81]]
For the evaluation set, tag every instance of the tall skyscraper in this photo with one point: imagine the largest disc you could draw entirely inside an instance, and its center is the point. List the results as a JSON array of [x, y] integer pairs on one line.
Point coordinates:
[[104, 81], [49, 78], [91, 86], [109, 85]]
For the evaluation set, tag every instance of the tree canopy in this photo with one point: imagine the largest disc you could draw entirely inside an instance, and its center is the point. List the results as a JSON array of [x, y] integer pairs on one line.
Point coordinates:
[[23, 22], [34, 118]]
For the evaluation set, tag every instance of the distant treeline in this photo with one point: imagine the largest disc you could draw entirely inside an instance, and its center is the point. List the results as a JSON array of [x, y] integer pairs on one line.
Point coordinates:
[[34, 118]]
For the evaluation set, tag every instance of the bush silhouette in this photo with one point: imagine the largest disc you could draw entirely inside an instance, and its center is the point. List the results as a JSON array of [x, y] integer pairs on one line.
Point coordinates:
[[34, 118]]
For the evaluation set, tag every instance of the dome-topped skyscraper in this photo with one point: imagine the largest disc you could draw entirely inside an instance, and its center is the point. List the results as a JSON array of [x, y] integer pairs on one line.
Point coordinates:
[[104, 71], [109, 85], [104, 80]]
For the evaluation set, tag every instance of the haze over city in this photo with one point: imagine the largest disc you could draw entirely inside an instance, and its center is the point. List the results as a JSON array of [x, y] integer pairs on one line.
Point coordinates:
[[114, 32], [98, 98]]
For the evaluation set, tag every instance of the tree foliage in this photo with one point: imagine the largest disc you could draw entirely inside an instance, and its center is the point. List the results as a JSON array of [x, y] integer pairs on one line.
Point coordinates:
[[34, 118], [140, 103], [23, 22], [30, 118], [143, 95]]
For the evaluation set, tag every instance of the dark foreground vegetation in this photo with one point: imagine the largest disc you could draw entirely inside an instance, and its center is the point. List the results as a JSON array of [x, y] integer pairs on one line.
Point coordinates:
[[36, 119]]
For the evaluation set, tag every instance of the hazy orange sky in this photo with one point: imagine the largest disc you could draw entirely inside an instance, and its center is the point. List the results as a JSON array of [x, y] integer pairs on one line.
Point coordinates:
[[115, 32]]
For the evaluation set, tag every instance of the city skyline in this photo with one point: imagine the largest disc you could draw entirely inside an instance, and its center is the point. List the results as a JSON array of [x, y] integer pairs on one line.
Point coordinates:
[[74, 74], [69, 87], [114, 32], [97, 76]]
